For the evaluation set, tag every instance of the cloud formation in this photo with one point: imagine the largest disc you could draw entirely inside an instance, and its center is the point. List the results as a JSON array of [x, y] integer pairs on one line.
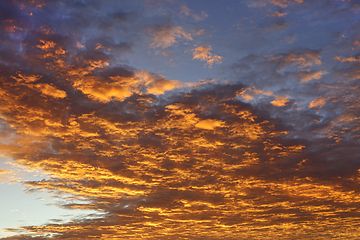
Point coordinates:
[[197, 17], [167, 35], [271, 152], [203, 54]]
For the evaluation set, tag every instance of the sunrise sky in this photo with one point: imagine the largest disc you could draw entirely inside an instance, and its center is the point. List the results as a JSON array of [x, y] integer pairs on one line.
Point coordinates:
[[173, 119]]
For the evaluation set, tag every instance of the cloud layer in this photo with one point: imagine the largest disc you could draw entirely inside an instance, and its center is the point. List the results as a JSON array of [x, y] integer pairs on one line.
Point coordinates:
[[271, 152]]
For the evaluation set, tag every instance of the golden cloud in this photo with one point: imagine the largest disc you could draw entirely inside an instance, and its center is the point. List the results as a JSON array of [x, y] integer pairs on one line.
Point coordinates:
[[280, 101], [203, 54], [197, 163]]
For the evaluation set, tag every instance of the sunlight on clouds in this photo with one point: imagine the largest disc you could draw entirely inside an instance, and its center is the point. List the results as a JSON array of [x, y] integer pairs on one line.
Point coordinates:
[[4, 174], [284, 3], [209, 124], [46, 45], [319, 102], [203, 54], [50, 90], [308, 76], [266, 147], [346, 59], [280, 101], [248, 94], [156, 84]]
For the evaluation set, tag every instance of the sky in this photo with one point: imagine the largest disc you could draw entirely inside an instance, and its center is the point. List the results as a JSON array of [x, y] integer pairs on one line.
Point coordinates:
[[174, 119]]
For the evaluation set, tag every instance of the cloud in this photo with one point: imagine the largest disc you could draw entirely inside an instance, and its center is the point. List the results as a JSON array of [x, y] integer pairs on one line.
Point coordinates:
[[308, 76], [260, 151], [194, 143], [279, 14], [209, 124], [203, 54], [187, 12], [276, 71], [348, 59], [157, 84], [166, 35], [165, 52], [3, 173], [317, 103], [301, 58], [280, 101], [279, 3], [284, 3]]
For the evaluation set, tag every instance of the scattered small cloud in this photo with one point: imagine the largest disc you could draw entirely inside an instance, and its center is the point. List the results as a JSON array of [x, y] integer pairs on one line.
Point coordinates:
[[284, 3], [279, 14], [310, 75], [209, 124], [165, 52], [347, 59], [167, 35], [319, 102], [197, 17], [4, 173], [202, 53], [280, 101]]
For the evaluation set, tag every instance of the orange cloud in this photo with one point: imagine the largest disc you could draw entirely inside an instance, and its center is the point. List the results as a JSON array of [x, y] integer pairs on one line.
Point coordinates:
[[279, 14], [155, 166], [203, 54], [156, 84], [280, 101], [196, 163], [50, 90], [347, 59], [118, 89], [308, 76], [209, 124], [284, 3], [249, 93], [319, 102], [3, 174], [160, 86]]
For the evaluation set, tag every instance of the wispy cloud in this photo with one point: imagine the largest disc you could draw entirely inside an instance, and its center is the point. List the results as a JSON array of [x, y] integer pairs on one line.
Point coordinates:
[[310, 75], [197, 17], [167, 35], [279, 3], [202, 53]]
